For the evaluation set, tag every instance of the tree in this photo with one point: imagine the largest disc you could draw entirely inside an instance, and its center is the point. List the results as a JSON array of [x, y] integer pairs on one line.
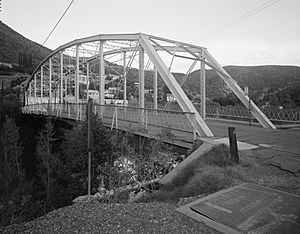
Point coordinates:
[[105, 149], [10, 159], [48, 160]]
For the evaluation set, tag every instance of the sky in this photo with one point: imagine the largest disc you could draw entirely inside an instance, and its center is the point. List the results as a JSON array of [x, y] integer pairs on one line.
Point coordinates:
[[268, 37]]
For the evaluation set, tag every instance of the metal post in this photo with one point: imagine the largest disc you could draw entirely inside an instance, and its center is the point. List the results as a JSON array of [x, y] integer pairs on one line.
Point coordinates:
[[34, 88], [101, 74], [125, 78], [87, 80], [155, 88], [117, 125], [42, 82], [250, 114], [141, 84], [202, 86], [89, 120], [50, 80], [66, 86], [141, 78], [233, 144], [61, 77], [77, 75], [194, 130], [29, 96]]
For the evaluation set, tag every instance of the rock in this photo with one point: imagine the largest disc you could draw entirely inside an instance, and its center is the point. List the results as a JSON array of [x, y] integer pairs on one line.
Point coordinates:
[[133, 197], [83, 199]]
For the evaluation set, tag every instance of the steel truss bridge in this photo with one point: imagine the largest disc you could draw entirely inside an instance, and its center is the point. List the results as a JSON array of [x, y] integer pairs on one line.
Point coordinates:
[[60, 84]]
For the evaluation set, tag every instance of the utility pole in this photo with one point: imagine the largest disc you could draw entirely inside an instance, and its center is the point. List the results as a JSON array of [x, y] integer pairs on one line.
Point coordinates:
[[89, 120]]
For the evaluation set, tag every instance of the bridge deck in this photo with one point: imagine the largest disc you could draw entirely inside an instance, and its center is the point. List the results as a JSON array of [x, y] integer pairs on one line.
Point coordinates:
[[149, 123], [145, 122]]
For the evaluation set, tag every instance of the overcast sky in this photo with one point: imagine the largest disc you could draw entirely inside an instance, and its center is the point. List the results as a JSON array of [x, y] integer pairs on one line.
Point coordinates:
[[270, 36]]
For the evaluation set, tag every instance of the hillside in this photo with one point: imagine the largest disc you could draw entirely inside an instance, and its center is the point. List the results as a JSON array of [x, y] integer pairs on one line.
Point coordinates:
[[261, 79], [12, 44]]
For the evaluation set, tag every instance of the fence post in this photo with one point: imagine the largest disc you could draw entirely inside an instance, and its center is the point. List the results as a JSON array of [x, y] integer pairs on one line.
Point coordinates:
[[146, 120], [218, 112], [69, 111], [117, 125], [115, 118], [194, 129], [233, 144]]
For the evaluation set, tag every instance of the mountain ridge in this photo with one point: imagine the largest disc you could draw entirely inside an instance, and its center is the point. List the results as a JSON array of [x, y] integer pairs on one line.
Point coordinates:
[[12, 44]]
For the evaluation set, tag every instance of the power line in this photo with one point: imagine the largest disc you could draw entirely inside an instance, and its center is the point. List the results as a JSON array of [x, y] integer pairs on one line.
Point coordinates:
[[238, 19], [54, 28]]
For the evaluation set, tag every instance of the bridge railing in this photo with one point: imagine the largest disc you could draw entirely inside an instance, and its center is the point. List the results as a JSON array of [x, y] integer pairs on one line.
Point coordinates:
[[275, 115], [121, 116]]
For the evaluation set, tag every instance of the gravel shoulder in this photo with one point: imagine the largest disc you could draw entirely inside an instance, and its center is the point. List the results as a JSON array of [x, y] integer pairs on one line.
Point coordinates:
[[95, 217]]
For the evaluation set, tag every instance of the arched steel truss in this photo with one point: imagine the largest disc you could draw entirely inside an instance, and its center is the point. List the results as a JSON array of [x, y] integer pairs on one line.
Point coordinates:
[[62, 71]]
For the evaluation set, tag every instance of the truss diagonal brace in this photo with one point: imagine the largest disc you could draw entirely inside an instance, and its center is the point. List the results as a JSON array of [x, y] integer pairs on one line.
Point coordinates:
[[183, 101], [258, 114]]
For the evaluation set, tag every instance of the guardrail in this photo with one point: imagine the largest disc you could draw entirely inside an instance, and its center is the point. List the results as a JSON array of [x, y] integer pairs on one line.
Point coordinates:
[[275, 115], [120, 117], [278, 116]]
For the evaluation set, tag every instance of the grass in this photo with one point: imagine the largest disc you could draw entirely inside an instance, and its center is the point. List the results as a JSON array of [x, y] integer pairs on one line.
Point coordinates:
[[209, 173]]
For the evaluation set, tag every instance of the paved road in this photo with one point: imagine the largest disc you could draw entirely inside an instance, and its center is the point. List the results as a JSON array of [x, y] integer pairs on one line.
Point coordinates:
[[281, 139], [280, 148]]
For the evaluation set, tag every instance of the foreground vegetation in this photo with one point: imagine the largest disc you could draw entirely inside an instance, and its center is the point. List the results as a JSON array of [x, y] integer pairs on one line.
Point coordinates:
[[43, 163], [211, 172]]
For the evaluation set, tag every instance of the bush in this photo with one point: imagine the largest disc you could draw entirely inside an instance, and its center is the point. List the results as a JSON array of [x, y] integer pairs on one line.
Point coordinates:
[[209, 173], [217, 156], [207, 180]]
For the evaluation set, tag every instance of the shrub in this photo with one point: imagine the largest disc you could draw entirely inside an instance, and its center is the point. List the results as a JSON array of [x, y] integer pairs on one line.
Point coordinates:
[[207, 180], [218, 156], [211, 172]]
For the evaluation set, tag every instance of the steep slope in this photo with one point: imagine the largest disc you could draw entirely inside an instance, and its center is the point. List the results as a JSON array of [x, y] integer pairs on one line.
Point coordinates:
[[12, 44]]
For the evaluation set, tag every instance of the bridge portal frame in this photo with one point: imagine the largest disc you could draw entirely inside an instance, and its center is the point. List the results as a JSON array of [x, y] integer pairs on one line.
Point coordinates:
[[151, 46]]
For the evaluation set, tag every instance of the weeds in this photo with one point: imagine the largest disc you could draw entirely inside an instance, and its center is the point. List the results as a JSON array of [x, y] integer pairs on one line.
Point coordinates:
[[209, 173]]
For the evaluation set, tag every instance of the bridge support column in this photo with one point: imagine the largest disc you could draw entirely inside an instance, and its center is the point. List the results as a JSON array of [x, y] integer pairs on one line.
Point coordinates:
[[101, 75], [141, 78], [202, 87], [77, 75], [50, 80], [42, 82], [61, 77], [155, 87], [125, 78]]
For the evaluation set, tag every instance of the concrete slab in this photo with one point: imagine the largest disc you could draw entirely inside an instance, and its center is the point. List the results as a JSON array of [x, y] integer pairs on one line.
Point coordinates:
[[241, 145], [168, 178], [247, 208]]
